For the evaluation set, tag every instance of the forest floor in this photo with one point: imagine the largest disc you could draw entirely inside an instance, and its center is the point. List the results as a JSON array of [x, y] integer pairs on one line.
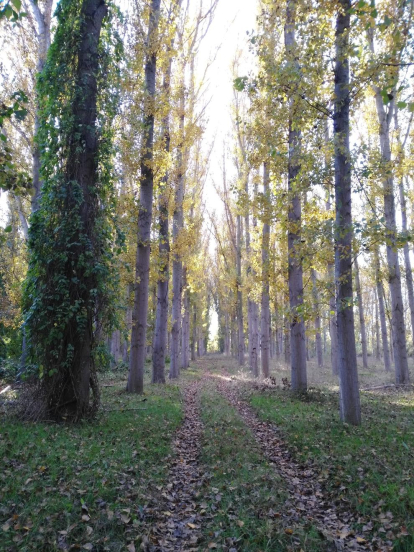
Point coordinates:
[[217, 462]]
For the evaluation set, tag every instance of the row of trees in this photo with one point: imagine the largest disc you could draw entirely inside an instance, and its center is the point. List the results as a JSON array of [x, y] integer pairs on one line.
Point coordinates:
[[112, 151], [290, 255], [117, 260]]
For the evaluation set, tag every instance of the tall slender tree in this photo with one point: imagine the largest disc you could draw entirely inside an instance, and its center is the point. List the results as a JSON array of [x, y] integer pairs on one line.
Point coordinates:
[[140, 312], [297, 328], [265, 315], [348, 376]]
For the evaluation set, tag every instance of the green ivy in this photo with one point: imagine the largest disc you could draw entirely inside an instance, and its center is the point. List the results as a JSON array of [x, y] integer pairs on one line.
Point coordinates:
[[11, 176], [72, 269]]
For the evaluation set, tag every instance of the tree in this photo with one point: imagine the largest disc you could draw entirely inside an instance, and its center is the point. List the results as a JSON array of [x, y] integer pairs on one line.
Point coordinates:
[[140, 312], [71, 268], [348, 376], [297, 328], [385, 115], [265, 318]]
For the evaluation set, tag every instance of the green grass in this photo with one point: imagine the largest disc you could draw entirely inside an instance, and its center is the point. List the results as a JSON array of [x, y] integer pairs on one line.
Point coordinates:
[[85, 484], [245, 496], [371, 467]]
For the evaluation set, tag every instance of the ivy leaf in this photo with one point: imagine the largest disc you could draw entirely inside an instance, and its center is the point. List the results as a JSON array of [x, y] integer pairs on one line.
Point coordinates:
[[240, 83], [401, 105], [7, 12], [20, 114], [17, 4], [8, 228]]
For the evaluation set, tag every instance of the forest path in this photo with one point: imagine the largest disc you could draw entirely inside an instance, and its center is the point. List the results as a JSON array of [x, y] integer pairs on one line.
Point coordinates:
[[307, 502], [186, 513], [178, 518]]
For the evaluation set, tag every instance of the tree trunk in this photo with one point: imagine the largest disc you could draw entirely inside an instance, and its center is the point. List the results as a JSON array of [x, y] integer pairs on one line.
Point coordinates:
[[226, 335], [43, 16], [394, 276], [265, 318], [186, 324], [140, 311], [333, 330], [194, 333], [348, 376], [297, 327], [240, 350], [178, 223], [377, 330], [161, 317], [382, 314], [407, 260], [318, 337], [361, 315]]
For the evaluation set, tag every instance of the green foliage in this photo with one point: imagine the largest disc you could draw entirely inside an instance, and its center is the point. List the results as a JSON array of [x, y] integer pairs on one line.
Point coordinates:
[[72, 268], [11, 10], [11, 176]]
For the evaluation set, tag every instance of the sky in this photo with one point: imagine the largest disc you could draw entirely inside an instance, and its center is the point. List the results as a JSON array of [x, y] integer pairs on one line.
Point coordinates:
[[227, 34]]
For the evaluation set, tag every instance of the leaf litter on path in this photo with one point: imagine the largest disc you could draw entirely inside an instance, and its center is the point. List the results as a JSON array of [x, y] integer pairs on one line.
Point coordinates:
[[307, 501], [177, 518]]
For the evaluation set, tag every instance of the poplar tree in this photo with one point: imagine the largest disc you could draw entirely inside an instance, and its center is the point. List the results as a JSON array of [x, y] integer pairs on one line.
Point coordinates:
[[71, 268]]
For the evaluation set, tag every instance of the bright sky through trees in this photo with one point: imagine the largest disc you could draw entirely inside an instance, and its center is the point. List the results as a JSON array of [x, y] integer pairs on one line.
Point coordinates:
[[227, 35]]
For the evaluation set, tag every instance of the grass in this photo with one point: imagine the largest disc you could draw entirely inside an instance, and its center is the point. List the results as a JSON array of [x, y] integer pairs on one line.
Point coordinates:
[[371, 467], [246, 496], [85, 486]]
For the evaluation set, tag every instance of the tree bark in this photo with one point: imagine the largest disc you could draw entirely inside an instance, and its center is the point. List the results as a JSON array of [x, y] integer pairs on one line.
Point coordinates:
[[317, 321], [178, 223], [43, 17], [297, 325], [240, 329], [361, 315], [226, 335], [140, 310], [377, 330], [161, 317], [348, 376], [407, 260], [402, 375], [382, 314], [265, 317], [186, 324]]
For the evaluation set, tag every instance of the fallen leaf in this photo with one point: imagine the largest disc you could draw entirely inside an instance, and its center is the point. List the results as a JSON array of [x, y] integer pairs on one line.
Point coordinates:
[[88, 546], [240, 523], [289, 531], [89, 530], [125, 519]]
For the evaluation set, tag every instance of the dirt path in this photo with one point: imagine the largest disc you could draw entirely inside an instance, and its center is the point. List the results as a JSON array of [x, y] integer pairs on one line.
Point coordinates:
[[306, 497], [178, 519]]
